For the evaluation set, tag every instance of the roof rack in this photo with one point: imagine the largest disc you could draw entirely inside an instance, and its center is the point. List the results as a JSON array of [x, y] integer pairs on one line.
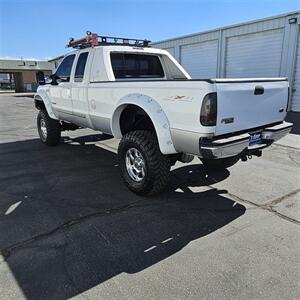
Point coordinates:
[[93, 39]]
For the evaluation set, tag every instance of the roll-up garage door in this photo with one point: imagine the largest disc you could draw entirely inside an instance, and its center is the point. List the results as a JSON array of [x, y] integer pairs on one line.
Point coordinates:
[[254, 55], [295, 104], [200, 59]]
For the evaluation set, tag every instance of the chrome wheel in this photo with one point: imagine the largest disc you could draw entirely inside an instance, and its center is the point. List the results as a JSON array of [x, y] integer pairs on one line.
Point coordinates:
[[135, 164], [43, 128]]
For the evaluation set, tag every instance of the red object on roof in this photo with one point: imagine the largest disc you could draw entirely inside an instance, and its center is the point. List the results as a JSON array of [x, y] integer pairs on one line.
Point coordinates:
[[91, 40]]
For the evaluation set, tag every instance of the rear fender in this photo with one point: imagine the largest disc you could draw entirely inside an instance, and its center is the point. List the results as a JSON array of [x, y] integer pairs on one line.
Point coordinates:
[[41, 95], [156, 114]]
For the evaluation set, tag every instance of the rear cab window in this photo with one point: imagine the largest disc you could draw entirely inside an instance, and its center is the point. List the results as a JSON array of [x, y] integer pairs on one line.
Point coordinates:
[[80, 67], [136, 66]]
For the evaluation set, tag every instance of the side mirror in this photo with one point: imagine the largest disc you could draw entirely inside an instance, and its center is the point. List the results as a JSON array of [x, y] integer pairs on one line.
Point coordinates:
[[54, 79], [40, 77]]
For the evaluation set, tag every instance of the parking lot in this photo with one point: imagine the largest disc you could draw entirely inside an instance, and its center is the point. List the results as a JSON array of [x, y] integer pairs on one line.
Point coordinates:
[[70, 228]]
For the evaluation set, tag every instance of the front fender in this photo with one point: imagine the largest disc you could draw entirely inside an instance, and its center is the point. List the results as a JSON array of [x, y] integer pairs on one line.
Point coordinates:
[[156, 114], [41, 95]]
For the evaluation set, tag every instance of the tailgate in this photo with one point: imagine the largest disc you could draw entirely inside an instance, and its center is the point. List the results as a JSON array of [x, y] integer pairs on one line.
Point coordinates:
[[245, 104]]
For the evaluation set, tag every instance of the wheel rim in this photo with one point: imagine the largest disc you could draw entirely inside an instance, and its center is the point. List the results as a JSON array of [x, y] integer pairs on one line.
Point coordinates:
[[43, 128], [135, 164]]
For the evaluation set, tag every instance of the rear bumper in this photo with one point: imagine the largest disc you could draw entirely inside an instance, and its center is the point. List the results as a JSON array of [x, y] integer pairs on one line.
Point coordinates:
[[235, 145]]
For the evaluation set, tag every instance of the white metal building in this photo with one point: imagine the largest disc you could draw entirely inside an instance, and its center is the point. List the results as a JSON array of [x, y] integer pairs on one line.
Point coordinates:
[[267, 47]]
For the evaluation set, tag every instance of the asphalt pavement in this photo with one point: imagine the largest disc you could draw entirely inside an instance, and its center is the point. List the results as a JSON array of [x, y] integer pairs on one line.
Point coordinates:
[[70, 228]]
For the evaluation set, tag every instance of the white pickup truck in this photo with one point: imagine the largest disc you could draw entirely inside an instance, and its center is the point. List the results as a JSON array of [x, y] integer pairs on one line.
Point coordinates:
[[143, 96]]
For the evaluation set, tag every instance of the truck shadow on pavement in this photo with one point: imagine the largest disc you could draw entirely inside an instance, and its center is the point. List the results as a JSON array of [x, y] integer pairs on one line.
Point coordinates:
[[68, 223]]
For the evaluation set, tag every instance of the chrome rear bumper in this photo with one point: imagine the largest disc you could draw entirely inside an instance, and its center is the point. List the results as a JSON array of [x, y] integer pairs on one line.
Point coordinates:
[[276, 132], [235, 145]]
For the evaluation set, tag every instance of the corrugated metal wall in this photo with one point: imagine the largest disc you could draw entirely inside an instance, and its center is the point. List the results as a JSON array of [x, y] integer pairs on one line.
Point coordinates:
[[262, 48], [171, 50]]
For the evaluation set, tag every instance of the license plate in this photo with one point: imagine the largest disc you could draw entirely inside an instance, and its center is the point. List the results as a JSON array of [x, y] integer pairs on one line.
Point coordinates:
[[255, 138]]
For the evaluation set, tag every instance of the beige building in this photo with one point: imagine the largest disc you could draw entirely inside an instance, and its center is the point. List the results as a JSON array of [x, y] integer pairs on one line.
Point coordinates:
[[19, 75]]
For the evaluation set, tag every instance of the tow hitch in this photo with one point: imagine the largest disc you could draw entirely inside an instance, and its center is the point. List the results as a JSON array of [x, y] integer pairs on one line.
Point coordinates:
[[248, 153]]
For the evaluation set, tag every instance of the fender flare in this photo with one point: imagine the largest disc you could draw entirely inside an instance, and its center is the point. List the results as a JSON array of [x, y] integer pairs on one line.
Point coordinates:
[[41, 95], [156, 114]]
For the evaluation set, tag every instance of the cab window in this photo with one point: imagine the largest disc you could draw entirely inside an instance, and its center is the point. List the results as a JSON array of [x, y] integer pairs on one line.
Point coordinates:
[[80, 67], [65, 68], [130, 66]]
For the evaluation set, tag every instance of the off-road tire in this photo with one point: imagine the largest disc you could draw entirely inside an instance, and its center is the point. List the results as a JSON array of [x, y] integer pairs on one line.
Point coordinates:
[[53, 129], [221, 163], [157, 165]]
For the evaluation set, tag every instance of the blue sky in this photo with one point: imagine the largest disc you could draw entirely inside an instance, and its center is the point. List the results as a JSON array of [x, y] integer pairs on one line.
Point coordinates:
[[36, 28]]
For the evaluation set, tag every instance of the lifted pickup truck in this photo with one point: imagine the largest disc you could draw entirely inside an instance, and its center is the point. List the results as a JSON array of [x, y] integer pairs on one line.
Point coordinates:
[[144, 97]]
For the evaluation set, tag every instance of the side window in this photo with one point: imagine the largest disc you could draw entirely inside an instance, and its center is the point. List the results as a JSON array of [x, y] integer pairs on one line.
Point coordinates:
[[80, 67], [136, 66], [65, 68]]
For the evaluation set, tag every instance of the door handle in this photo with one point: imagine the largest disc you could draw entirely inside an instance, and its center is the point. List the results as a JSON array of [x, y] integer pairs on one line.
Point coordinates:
[[69, 93], [259, 90]]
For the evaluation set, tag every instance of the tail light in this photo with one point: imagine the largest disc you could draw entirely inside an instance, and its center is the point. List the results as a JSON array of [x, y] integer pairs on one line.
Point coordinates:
[[208, 114]]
